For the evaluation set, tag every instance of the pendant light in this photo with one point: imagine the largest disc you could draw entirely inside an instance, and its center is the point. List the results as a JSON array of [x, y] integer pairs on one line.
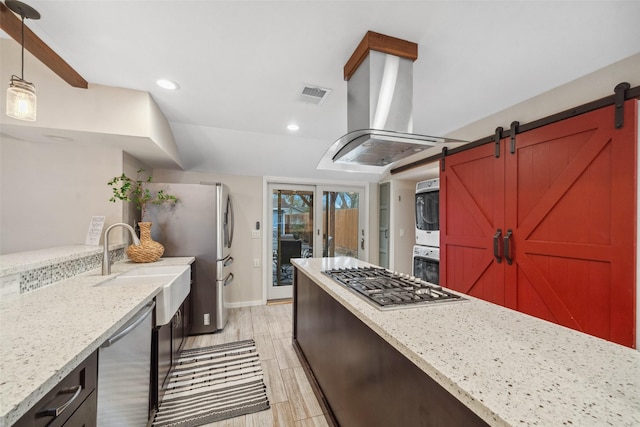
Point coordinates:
[[21, 95]]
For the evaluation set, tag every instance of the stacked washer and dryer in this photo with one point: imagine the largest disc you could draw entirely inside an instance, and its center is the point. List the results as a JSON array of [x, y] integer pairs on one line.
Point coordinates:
[[426, 252]]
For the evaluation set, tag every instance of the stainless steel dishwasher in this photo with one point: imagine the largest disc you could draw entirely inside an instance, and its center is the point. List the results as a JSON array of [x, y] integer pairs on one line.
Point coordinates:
[[124, 368]]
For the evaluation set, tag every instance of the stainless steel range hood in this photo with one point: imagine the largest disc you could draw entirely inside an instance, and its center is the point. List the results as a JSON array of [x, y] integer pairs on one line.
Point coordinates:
[[379, 108], [374, 147]]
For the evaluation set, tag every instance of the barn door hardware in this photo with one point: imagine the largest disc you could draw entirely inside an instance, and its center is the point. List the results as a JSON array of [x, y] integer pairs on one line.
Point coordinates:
[[507, 247], [444, 154], [497, 138], [496, 246], [513, 132], [623, 91], [620, 93]]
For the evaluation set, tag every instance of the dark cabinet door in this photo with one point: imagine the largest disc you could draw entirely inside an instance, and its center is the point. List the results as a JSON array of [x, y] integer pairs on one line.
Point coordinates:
[[177, 334], [168, 341], [550, 229], [186, 308], [164, 358], [73, 400], [85, 415]]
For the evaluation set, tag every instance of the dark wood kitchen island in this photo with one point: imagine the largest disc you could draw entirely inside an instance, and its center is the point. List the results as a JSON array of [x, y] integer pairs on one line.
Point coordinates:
[[454, 364]]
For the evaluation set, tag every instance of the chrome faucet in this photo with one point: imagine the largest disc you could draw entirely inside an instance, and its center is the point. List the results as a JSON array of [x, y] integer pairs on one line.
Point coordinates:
[[106, 262]]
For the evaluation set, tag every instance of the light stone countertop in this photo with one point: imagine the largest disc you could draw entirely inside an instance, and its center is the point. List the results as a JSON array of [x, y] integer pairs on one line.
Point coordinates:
[[46, 333], [21, 261], [509, 368]]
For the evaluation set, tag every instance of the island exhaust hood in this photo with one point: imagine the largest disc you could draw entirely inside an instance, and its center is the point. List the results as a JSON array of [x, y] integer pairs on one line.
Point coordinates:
[[379, 106]]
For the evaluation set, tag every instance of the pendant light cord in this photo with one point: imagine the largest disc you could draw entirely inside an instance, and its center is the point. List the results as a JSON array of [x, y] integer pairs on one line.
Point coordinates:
[[22, 69]]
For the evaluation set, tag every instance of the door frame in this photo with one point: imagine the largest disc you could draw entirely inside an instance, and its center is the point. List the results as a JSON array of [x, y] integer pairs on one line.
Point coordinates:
[[320, 186]]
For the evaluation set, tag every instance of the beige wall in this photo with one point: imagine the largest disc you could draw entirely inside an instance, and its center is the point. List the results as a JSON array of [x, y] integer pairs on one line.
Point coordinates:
[[246, 193], [50, 191], [402, 225]]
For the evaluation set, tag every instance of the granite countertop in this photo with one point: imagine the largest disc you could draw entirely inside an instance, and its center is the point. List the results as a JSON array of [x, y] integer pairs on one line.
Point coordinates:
[[20, 261], [509, 368], [48, 332]]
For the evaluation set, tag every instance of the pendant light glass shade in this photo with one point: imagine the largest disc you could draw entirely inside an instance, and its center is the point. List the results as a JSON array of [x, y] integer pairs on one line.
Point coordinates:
[[21, 95], [21, 100]]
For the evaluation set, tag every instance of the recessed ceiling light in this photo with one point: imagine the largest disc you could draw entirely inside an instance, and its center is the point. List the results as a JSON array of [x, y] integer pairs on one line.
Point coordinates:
[[167, 84], [293, 126]]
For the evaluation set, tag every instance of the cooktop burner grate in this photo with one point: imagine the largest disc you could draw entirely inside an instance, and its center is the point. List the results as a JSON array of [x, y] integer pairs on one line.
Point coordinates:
[[387, 290]]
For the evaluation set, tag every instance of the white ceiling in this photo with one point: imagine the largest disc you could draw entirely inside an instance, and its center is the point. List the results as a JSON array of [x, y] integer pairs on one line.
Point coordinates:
[[242, 64]]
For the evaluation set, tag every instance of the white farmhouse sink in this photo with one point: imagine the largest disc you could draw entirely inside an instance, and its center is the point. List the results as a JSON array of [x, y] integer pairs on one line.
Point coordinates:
[[174, 279], [150, 270]]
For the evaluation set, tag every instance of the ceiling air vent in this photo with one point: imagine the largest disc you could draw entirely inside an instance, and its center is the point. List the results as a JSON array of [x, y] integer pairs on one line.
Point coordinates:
[[314, 94]]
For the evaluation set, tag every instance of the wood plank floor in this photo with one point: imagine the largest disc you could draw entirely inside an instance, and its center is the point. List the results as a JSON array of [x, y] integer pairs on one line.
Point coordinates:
[[292, 401]]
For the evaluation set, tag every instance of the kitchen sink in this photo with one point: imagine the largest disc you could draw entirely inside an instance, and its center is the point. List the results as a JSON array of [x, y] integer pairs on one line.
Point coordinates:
[[160, 270], [174, 279]]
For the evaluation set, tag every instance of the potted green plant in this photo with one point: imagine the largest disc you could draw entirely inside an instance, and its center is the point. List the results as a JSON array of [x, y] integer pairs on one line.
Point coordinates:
[[130, 190]]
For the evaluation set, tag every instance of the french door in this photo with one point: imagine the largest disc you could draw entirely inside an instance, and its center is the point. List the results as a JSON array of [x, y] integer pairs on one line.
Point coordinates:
[[342, 229], [291, 236], [311, 221]]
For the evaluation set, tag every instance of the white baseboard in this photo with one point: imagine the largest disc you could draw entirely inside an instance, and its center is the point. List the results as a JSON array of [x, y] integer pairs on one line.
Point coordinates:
[[244, 304]]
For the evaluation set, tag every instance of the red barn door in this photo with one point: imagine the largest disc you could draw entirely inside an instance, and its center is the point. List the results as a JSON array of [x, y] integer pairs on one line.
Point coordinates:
[[566, 199], [570, 200], [472, 210]]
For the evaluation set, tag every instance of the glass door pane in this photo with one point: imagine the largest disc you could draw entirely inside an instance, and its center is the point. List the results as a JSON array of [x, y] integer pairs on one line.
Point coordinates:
[[292, 234], [341, 224]]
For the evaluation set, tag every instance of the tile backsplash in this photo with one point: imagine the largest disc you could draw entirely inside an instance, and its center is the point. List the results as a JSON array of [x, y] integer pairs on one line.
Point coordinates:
[[28, 271]]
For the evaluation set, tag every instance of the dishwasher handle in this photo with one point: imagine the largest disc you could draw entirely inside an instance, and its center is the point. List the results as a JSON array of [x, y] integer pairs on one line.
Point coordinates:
[[145, 312]]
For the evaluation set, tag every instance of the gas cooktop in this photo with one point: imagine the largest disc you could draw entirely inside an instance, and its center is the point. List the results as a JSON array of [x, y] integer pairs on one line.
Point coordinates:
[[388, 290]]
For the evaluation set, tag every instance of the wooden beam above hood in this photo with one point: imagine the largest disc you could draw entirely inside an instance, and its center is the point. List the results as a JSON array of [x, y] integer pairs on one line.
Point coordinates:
[[12, 25], [381, 43]]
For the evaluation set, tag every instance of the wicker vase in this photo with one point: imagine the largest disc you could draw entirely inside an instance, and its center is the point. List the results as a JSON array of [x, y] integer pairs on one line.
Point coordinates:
[[149, 250]]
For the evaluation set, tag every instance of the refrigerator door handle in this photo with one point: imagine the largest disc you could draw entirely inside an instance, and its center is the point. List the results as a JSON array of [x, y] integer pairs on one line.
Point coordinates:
[[230, 220], [228, 280]]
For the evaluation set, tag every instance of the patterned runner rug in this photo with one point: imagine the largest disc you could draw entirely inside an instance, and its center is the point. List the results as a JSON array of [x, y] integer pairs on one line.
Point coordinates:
[[213, 383]]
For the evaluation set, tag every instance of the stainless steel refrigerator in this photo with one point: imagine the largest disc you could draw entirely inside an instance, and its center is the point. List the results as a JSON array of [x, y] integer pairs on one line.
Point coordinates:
[[200, 225]]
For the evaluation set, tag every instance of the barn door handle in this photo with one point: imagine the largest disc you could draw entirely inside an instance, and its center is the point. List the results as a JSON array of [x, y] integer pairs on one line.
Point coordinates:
[[507, 247], [496, 246]]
